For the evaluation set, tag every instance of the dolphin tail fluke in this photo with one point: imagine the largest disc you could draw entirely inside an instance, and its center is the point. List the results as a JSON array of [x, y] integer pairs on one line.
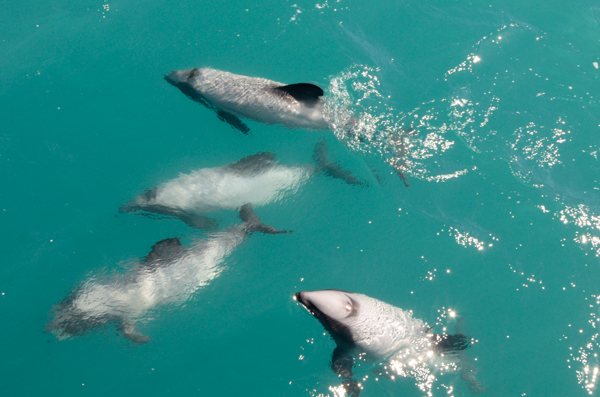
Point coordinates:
[[399, 145], [351, 387], [330, 168], [252, 222], [452, 343], [131, 332], [402, 176]]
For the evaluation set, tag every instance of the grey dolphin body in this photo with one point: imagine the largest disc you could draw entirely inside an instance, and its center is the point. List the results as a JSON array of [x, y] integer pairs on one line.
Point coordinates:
[[169, 274], [369, 329], [257, 179], [232, 96]]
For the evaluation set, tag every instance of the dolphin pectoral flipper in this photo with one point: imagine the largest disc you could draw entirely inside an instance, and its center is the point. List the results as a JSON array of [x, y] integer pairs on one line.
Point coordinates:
[[341, 363], [332, 169], [252, 222], [303, 92], [130, 332], [192, 219], [198, 221], [232, 120]]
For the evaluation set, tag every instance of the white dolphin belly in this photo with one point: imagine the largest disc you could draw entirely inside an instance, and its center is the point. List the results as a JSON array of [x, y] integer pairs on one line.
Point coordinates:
[[175, 283], [378, 333], [209, 190], [169, 274]]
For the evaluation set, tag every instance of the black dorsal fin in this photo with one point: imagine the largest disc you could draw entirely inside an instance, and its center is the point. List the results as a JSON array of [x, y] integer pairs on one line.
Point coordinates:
[[303, 92], [253, 163], [162, 250]]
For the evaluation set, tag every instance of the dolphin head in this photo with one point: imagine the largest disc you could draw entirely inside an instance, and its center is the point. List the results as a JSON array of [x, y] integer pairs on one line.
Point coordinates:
[[337, 310], [141, 202], [177, 77], [68, 321]]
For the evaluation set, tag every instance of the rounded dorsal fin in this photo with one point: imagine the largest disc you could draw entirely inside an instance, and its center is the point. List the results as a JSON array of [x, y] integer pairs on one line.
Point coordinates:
[[303, 92], [253, 163], [164, 249]]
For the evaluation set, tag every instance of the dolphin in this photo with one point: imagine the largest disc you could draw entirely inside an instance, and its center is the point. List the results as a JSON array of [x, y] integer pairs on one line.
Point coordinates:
[[371, 330], [257, 179], [169, 274], [233, 96]]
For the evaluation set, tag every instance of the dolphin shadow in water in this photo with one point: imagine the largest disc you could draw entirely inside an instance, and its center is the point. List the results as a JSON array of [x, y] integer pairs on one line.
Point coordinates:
[[169, 274]]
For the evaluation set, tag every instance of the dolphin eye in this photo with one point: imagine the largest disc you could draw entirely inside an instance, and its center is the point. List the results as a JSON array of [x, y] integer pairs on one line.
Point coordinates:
[[351, 307]]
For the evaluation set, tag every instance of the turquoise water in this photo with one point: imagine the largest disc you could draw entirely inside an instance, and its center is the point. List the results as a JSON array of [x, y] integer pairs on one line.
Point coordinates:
[[498, 112]]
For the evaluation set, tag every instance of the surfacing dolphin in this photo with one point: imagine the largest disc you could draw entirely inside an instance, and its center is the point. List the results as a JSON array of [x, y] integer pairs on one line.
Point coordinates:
[[232, 96], [169, 274], [257, 179], [371, 330]]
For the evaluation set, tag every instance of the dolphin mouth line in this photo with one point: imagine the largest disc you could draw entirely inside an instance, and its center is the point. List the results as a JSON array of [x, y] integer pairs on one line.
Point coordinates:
[[307, 305]]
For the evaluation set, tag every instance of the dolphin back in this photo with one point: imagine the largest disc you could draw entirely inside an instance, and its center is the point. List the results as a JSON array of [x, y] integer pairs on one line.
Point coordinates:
[[232, 96], [253, 164]]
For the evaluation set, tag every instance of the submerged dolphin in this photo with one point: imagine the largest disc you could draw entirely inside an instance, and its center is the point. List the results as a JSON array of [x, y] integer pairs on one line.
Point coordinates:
[[257, 179], [369, 329], [169, 274], [232, 96]]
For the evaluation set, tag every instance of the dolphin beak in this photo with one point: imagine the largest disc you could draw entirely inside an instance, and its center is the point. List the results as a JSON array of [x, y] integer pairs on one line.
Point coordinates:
[[177, 77], [173, 78], [301, 297]]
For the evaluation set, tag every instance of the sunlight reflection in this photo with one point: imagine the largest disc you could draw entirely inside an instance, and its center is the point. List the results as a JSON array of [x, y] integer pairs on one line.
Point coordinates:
[[582, 217], [466, 240], [587, 374]]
